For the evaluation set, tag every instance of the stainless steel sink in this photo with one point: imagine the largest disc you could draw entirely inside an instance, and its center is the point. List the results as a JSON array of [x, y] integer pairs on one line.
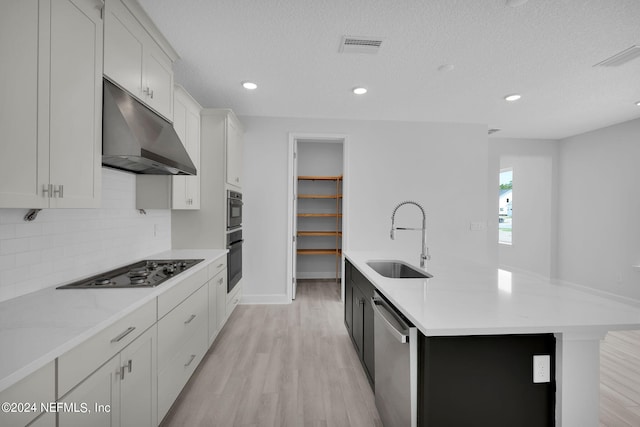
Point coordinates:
[[398, 270]]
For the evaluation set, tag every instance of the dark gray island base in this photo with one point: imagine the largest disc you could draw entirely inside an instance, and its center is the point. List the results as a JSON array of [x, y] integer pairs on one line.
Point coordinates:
[[481, 380]]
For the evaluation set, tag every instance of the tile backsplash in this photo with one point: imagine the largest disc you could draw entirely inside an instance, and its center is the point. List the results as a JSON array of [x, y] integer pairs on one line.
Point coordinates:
[[62, 245]]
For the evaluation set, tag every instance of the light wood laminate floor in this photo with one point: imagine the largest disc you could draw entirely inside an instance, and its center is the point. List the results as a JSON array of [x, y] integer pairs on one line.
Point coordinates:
[[280, 365], [294, 365], [620, 379]]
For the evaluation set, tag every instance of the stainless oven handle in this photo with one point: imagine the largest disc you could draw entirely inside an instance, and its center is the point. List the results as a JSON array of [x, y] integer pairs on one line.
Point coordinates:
[[237, 242], [378, 308]]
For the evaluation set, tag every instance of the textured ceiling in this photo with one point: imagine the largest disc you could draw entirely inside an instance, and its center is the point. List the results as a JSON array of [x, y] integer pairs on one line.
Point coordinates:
[[544, 50]]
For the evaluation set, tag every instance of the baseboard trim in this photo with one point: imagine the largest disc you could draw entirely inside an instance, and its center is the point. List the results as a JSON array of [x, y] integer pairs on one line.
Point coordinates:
[[265, 299], [316, 275]]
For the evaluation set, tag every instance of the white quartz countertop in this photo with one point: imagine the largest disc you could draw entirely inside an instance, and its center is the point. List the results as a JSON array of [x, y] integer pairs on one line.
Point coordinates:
[[38, 327], [464, 298]]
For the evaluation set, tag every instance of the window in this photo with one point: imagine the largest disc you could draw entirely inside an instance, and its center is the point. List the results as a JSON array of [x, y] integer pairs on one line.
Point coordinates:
[[505, 206]]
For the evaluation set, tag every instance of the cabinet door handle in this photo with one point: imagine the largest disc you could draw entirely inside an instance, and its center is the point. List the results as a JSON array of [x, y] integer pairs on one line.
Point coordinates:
[[220, 280], [123, 334], [193, 356], [147, 91], [130, 365], [193, 316], [120, 373], [59, 191], [47, 190]]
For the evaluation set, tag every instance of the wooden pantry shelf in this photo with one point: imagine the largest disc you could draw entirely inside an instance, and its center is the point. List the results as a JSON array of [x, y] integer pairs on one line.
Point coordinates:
[[320, 233], [319, 178], [319, 196], [319, 251], [320, 215], [312, 201]]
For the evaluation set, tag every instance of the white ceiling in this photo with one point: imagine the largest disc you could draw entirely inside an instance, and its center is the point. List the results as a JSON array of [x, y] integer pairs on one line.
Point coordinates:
[[544, 50]]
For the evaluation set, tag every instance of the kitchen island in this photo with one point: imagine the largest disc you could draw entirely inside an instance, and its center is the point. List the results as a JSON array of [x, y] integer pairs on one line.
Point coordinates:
[[466, 299]]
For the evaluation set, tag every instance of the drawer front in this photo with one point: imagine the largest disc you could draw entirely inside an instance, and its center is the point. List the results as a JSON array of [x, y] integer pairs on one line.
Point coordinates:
[[233, 299], [180, 324], [217, 266], [37, 388], [219, 281], [78, 363], [179, 369], [170, 299]]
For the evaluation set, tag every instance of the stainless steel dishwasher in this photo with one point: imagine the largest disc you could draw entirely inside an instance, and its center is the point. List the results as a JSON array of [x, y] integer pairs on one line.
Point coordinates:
[[396, 362]]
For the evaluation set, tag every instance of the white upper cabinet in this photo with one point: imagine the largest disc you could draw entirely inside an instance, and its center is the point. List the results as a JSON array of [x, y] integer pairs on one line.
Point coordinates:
[[51, 104], [186, 189], [234, 151], [136, 60], [178, 191]]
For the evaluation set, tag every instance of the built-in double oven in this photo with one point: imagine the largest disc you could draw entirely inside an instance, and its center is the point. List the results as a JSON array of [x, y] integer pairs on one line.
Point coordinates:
[[234, 239]]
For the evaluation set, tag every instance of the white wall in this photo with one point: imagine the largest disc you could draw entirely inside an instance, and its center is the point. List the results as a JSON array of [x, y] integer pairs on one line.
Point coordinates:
[[535, 165], [65, 244], [599, 209], [438, 165]]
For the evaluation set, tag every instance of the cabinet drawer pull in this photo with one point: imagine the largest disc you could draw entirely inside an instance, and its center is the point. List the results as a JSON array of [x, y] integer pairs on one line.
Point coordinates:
[[193, 356], [220, 266], [193, 316], [124, 334]]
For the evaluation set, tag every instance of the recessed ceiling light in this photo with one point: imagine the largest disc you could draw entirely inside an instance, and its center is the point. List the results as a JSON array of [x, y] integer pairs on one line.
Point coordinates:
[[638, 103], [512, 97], [516, 3], [446, 67], [359, 90], [249, 85]]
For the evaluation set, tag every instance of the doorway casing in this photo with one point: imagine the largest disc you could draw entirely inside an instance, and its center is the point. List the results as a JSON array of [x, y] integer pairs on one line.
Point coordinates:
[[292, 178]]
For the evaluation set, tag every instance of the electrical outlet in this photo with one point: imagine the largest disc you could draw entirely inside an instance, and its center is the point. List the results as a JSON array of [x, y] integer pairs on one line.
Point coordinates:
[[542, 368], [477, 226]]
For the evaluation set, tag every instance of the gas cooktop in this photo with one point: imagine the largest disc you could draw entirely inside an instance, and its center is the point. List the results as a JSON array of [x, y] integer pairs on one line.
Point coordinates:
[[142, 274]]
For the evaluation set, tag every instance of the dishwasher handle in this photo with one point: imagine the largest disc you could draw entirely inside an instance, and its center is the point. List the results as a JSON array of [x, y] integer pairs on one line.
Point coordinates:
[[396, 326]]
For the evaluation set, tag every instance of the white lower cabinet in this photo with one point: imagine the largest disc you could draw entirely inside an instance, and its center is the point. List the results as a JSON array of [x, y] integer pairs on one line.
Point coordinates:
[[122, 392], [46, 420], [182, 343], [130, 374], [233, 299], [217, 304], [138, 387], [100, 388], [38, 388]]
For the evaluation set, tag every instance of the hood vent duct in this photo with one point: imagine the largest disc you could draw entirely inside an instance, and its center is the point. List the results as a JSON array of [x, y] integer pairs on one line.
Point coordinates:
[[350, 44], [138, 140]]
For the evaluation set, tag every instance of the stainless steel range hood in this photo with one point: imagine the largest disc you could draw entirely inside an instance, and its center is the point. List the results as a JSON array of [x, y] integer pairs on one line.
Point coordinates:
[[136, 139]]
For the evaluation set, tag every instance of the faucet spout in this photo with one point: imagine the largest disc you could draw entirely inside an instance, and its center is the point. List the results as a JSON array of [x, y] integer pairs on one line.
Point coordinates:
[[424, 255]]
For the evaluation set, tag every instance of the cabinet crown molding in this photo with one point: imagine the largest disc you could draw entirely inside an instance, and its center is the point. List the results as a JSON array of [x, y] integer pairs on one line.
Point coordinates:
[[151, 28]]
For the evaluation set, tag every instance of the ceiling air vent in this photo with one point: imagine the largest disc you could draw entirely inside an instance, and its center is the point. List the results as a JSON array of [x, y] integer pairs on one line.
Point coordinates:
[[621, 58], [494, 130], [350, 44]]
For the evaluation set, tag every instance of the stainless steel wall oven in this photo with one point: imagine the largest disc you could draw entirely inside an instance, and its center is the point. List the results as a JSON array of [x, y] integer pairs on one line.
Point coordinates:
[[234, 209], [234, 258]]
